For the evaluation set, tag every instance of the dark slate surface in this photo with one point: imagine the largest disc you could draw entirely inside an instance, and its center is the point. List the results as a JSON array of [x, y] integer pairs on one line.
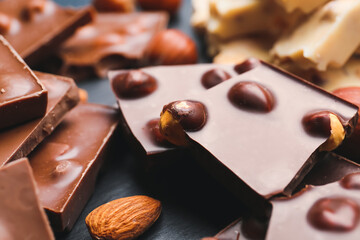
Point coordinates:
[[194, 205]]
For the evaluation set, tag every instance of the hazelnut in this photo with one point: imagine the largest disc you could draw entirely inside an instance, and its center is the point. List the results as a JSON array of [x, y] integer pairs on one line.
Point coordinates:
[[351, 181], [246, 65], [114, 5], [325, 124], [328, 214], [153, 128], [170, 6], [83, 95], [171, 47], [180, 116], [214, 77], [133, 84], [251, 96]]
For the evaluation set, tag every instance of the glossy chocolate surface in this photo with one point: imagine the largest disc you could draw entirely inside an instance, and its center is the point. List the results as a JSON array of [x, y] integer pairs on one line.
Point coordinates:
[[273, 145], [112, 41], [22, 139], [174, 83], [323, 212], [37, 27], [22, 96], [66, 163], [22, 216]]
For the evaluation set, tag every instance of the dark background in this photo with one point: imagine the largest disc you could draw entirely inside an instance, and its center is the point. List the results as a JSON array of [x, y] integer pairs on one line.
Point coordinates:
[[193, 204]]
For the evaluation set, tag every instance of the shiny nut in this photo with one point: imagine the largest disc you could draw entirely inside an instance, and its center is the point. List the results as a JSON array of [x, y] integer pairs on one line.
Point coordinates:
[[251, 96], [213, 77], [351, 181], [133, 84], [123, 219], [246, 65], [327, 125], [170, 6], [180, 116], [334, 214], [171, 47], [114, 5], [5, 23]]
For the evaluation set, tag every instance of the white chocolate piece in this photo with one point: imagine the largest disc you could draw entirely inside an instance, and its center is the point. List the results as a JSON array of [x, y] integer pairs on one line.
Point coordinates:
[[305, 6], [201, 14], [233, 18], [327, 38], [347, 76], [242, 49]]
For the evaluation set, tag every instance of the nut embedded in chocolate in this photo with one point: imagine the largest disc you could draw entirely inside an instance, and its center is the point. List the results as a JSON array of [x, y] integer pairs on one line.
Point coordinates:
[[190, 114], [334, 214], [213, 77], [351, 181], [133, 84], [33, 8], [325, 124], [246, 65], [251, 96]]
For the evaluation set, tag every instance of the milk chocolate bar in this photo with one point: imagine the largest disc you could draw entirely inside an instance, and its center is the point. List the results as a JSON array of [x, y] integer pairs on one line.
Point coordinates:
[[22, 95], [35, 28], [19, 141], [262, 133], [22, 216], [66, 163], [331, 211], [112, 41], [140, 114], [327, 38]]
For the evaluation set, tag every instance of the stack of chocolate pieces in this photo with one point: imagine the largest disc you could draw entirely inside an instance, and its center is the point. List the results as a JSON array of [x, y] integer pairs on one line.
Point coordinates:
[[265, 134], [61, 141]]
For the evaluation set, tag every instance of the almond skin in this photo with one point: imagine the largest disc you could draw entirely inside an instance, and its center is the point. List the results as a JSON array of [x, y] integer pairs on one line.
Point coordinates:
[[124, 218]]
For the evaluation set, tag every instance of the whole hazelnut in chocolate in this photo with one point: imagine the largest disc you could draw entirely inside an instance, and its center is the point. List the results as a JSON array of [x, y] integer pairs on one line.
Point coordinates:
[[171, 47], [153, 129], [133, 84], [350, 147], [213, 77], [251, 96], [33, 8], [246, 65], [334, 214], [351, 181], [180, 116], [170, 6]]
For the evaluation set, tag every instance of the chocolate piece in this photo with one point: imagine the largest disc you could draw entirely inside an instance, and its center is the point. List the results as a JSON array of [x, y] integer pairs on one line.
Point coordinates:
[[324, 212], [173, 83], [238, 143], [113, 41], [66, 164], [37, 27], [22, 96], [21, 140], [22, 216]]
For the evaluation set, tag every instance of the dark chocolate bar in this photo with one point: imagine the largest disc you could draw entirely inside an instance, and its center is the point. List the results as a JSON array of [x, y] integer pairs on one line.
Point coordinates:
[[66, 163], [19, 141], [22, 216], [112, 41], [35, 28], [262, 136], [140, 114], [22, 96], [329, 212]]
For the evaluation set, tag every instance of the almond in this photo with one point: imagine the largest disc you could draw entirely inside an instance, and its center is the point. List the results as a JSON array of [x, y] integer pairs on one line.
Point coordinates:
[[124, 218]]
